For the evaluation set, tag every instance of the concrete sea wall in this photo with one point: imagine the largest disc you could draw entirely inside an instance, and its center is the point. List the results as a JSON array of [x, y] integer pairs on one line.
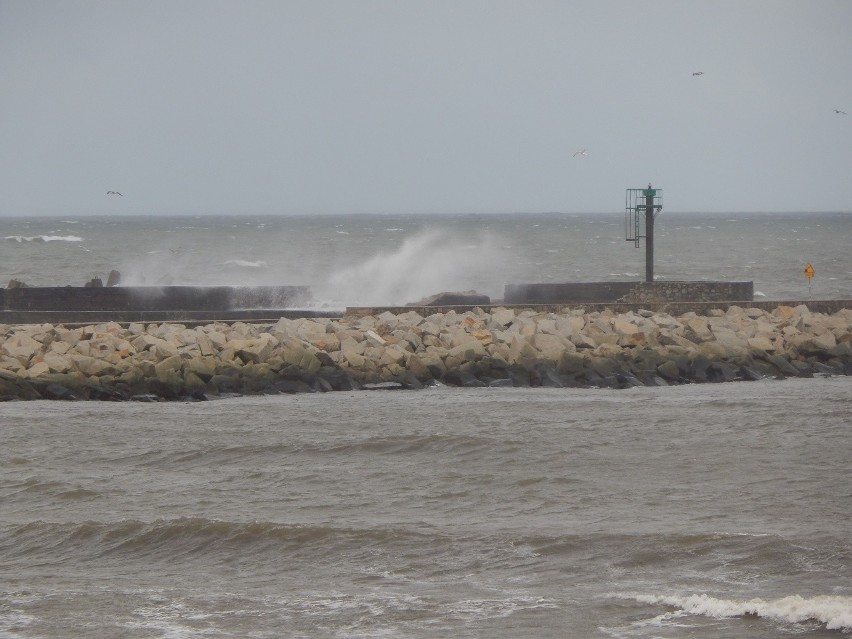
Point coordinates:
[[478, 347], [631, 292], [77, 304], [151, 298]]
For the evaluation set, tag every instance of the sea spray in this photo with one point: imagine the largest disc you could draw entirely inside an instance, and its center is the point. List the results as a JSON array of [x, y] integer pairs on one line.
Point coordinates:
[[183, 267], [417, 266], [424, 264], [163, 266]]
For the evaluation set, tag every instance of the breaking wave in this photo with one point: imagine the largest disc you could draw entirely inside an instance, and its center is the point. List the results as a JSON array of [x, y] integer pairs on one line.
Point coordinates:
[[833, 611], [44, 238], [424, 264], [245, 263]]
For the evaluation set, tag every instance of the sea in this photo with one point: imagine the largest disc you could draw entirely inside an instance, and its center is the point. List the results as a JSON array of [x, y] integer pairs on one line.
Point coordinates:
[[383, 260], [698, 511]]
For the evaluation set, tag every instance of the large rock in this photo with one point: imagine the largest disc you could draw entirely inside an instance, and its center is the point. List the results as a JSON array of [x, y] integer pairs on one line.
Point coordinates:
[[761, 344], [253, 351], [502, 316], [814, 344], [624, 327], [38, 369], [22, 347], [92, 367], [157, 345], [164, 368], [56, 362], [203, 367], [551, 347]]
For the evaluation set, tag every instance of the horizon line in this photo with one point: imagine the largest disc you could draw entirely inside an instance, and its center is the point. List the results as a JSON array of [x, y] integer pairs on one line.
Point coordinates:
[[429, 213]]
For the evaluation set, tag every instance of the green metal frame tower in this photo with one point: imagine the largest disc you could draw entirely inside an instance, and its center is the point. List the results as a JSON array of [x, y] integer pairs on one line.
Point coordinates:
[[640, 208]]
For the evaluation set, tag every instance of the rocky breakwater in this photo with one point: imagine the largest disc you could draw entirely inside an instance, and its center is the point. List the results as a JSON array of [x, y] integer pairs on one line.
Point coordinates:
[[500, 347]]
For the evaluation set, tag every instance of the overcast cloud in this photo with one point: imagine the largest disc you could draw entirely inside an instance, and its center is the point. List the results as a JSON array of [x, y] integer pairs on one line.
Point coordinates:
[[395, 106]]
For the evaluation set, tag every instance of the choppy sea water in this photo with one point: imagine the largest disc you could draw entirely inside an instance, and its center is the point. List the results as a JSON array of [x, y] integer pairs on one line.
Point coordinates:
[[701, 511], [360, 260], [720, 511]]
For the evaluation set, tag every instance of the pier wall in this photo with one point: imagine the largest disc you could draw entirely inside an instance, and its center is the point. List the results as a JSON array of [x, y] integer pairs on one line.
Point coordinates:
[[75, 304], [152, 298], [630, 292], [671, 308]]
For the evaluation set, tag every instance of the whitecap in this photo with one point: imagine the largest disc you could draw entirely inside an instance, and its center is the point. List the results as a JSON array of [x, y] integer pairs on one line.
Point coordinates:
[[44, 238], [245, 263], [832, 610], [759, 294]]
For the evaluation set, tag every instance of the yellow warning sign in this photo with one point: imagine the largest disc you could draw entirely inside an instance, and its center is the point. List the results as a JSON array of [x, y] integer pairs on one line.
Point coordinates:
[[809, 270]]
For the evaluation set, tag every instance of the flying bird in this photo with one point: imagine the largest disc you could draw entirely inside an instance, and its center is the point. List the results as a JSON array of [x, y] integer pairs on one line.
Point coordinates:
[[580, 152], [840, 112], [113, 193], [694, 73]]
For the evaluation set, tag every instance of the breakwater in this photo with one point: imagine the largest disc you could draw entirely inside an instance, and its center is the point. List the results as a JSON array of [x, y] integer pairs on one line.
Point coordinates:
[[495, 347], [629, 291], [151, 298]]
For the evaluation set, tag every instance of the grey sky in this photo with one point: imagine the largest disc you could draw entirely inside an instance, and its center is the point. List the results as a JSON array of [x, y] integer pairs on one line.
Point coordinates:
[[396, 106]]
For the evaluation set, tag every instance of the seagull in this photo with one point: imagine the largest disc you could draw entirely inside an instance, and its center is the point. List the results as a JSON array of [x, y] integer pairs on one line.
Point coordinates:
[[113, 193], [694, 73], [580, 152], [840, 112]]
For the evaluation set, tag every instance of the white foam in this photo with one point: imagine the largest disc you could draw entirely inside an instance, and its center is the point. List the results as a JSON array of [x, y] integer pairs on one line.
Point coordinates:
[[425, 264], [245, 263], [14, 620], [480, 609], [45, 238], [833, 611]]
